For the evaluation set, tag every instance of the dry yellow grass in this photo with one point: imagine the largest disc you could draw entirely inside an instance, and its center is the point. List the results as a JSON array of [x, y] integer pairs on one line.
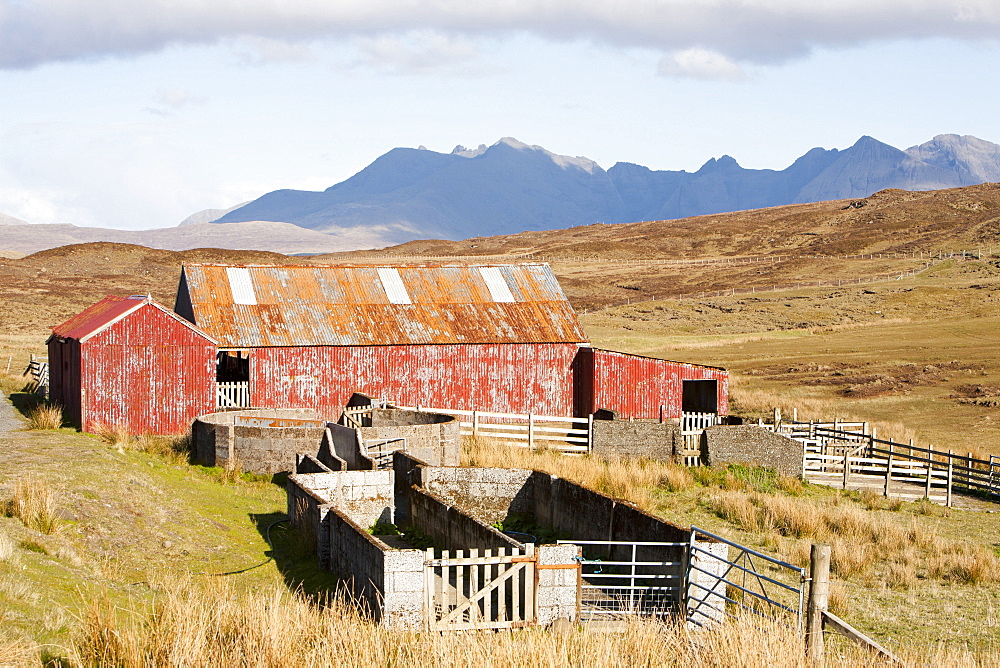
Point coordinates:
[[34, 503], [213, 624], [634, 480], [45, 416], [861, 539]]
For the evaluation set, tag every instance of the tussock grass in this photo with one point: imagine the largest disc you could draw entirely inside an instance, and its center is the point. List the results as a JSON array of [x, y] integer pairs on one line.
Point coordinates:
[[34, 503], [634, 480], [45, 416], [17, 653], [865, 544], [214, 624]]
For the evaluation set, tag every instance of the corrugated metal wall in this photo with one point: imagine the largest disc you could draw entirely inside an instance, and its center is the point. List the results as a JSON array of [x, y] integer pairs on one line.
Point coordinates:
[[148, 372], [514, 378], [637, 387]]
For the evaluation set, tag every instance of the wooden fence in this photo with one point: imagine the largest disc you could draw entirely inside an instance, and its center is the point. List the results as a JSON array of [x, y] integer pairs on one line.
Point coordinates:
[[232, 395], [568, 435], [849, 450], [480, 589]]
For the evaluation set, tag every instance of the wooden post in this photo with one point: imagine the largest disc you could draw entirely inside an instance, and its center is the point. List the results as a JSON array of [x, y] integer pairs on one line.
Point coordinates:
[[927, 483], [847, 466], [950, 471], [531, 431], [888, 473], [475, 423], [968, 471], [590, 432], [819, 596], [795, 415]]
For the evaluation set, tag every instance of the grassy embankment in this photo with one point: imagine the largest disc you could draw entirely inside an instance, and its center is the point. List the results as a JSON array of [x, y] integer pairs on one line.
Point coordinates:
[[126, 565]]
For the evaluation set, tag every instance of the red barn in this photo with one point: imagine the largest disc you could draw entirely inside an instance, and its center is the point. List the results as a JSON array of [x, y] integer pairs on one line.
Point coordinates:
[[500, 338], [494, 338], [131, 362]]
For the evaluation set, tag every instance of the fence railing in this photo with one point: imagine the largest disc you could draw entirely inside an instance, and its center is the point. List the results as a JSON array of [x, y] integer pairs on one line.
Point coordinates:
[[38, 371], [626, 583], [754, 582], [232, 395], [563, 434], [850, 451]]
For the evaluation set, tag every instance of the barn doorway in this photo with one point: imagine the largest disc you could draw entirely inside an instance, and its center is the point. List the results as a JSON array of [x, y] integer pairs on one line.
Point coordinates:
[[700, 396]]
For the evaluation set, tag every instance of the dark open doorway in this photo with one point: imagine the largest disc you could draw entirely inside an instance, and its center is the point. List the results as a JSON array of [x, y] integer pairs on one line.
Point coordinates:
[[700, 396]]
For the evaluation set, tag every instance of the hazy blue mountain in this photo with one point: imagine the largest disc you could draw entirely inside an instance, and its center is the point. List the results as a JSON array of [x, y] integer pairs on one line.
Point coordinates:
[[973, 159], [512, 187]]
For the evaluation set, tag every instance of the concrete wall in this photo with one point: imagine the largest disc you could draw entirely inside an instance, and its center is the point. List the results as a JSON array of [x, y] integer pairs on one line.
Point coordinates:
[[639, 438], [750, 444], [558, 576], [345, 447], [388, 583], [489, 494], [452, 529], [218, 439], [431, 437], [363, 496]]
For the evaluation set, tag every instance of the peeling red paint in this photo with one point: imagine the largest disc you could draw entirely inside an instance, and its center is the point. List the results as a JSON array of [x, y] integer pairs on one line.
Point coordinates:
[[146, 370], [637, 386]]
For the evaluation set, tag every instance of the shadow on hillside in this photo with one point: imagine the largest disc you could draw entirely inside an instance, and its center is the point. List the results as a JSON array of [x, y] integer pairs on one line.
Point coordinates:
[[294, 554]]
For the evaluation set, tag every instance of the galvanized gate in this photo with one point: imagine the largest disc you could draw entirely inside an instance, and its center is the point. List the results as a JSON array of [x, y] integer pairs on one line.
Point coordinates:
[[748, 581], [480, 589], [623, 578]]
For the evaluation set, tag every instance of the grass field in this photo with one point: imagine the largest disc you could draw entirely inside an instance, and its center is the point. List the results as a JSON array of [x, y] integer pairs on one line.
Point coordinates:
[[916, 356], [150, 560]]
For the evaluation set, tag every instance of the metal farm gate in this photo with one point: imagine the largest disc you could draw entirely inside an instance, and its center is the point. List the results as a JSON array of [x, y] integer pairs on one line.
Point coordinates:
[[480, 589], [629, 580], [748, 581]]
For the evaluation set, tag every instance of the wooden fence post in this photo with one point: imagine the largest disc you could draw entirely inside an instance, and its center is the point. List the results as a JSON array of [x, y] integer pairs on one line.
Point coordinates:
[[531, 431], [847, 466], [819, 596], [927, 483], [590, 433], [950, 472], [968, 471], [475, 423], [888, 473]]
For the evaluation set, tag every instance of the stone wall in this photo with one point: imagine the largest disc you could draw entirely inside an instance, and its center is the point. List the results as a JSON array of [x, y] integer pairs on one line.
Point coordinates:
[[636, 438], [258, 441], [753, 445]]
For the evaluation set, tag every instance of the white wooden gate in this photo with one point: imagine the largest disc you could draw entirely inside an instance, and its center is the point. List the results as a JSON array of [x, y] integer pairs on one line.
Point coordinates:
[[480, 589]]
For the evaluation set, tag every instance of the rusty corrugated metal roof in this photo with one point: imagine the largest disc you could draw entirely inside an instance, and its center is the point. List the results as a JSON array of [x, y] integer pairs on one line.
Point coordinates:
[[250, 306], [97, 316], [108, 311]]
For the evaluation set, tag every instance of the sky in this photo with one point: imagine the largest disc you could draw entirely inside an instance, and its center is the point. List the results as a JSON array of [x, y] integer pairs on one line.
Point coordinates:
[[133, 115]]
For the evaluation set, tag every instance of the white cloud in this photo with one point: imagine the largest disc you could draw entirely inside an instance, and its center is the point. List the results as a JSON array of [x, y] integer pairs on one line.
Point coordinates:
[[701, 64], [759, 31], [422, 51], [43, 205], [178, 98]]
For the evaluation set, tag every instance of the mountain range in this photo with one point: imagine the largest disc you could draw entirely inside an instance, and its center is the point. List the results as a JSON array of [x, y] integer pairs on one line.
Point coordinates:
[[512, 187]]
